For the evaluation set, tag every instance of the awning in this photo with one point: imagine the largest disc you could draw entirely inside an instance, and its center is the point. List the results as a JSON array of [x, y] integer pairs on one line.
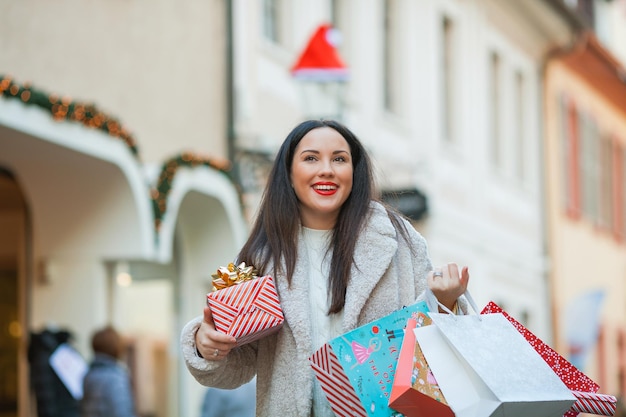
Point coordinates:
[[409, 201], [85, 190], [204, 212], [89, 196]]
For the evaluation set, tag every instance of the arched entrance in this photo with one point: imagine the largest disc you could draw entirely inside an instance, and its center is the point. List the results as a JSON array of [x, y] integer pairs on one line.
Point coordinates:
[[13, 254]]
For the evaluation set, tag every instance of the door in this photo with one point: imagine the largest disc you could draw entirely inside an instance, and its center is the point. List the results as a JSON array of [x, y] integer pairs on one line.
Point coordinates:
[[14, 392]]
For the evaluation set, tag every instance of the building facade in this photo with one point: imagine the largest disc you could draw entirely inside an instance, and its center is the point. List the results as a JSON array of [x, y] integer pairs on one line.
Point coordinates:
[[585, 156], [447, 97], [117, 201]]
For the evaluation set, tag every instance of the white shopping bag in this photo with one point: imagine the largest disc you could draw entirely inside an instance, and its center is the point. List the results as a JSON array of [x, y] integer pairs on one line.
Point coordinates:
[[485, 367]]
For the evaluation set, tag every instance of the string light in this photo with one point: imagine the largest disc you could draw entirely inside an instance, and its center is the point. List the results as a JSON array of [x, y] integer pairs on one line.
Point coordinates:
[[168, 172]]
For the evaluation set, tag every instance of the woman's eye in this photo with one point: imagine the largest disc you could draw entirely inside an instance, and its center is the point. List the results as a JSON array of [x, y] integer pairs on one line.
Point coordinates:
[[309, 158], [340, 159]]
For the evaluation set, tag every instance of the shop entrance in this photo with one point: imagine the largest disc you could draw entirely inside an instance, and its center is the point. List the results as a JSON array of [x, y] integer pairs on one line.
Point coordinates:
[[13, 221]]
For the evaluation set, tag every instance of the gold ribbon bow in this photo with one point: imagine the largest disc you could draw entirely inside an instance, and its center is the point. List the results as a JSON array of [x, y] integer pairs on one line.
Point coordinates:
[[232, 275]]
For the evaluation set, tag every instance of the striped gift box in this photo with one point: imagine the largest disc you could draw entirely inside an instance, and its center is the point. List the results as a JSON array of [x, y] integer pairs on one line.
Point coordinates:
[[335, 384], [592, 403], [248, 311]]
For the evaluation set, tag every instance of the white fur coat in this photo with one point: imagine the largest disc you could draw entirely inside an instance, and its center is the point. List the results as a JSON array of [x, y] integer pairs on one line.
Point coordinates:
[[390, 274]]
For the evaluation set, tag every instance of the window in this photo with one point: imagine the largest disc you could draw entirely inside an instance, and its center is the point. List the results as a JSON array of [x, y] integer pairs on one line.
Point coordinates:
[[335, 13], [619, 190], [391, 47], [447, 81], [606, 183], [621, 363], [271, 20], [601, 358], [569, 147], [340, 20], [496, 110], [519, 127], [590, 171], [622, 191], [594, 172]]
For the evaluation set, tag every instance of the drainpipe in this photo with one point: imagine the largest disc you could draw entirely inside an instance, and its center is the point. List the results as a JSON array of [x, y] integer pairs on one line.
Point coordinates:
[[230, 94]]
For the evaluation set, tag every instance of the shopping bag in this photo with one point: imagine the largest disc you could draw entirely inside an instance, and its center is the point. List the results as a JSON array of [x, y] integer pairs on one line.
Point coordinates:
[[485, 367], [584, 388], [415, 392], [356, 369]]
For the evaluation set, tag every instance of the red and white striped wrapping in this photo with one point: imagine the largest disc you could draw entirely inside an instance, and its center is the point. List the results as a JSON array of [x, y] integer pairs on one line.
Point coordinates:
[[592, 403], [335, 384], [248, 311]]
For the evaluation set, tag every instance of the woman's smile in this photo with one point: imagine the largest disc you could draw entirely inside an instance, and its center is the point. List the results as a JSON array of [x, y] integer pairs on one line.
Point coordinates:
[[325, 188]]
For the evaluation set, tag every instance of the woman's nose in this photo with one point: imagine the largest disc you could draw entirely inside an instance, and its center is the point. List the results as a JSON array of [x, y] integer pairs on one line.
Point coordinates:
[[326, 169]]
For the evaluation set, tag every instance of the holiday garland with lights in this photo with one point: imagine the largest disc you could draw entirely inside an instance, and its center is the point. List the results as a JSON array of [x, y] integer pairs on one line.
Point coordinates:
[[166, 178], [64, 109]]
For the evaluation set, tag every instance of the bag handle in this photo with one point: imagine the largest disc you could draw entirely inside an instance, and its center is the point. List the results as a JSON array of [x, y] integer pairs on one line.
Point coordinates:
[[434, 304]]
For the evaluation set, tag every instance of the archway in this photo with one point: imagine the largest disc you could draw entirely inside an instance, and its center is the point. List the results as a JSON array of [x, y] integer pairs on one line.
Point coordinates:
[[14, 223]]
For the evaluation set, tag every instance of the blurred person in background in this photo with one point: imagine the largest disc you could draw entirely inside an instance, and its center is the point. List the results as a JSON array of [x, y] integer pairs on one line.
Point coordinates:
[[53, 399], [238, 402], [106, 388]]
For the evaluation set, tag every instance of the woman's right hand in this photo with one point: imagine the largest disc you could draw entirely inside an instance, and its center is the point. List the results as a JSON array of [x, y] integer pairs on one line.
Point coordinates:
[[211, 344]]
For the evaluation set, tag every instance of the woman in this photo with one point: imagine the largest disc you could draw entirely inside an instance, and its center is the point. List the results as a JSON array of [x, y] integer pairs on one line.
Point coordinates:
[[339, 258]]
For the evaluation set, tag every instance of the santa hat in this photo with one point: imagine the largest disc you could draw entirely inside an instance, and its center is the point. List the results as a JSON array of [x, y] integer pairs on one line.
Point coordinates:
[[320, 60]]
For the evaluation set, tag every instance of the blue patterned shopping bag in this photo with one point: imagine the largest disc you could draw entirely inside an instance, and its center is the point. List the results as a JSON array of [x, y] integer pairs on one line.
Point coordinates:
[[356, 369]]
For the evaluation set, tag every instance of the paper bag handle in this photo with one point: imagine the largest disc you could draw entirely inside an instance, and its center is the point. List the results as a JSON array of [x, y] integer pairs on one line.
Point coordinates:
[[434, 304]]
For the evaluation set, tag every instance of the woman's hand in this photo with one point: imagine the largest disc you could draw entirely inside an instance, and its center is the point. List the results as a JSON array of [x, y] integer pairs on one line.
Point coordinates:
[[211, 344], [447, 284]]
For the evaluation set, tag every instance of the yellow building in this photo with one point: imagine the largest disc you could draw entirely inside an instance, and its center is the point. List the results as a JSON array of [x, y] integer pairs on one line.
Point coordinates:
[[585, 159]]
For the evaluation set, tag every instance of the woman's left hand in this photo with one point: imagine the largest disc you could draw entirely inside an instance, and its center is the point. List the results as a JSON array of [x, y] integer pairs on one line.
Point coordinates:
[[448, 284]]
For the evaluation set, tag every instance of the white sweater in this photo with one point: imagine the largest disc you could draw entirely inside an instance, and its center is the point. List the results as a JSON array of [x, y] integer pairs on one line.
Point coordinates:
[[323, 326]]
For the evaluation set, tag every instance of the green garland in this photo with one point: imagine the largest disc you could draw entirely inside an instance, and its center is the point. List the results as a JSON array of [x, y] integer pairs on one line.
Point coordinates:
[[63, 108], [168, 172]]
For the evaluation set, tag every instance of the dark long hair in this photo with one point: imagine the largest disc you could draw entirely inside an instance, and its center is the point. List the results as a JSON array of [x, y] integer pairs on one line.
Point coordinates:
[[274, 236]]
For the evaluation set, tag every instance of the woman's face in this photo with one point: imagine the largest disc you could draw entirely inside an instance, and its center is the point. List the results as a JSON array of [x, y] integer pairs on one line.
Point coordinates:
[[321, 176]]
